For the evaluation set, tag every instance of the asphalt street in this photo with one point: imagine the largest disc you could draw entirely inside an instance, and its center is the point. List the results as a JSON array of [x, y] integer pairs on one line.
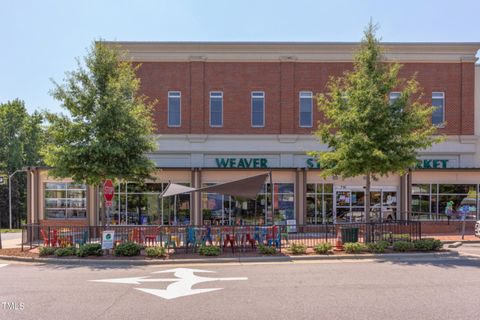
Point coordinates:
[[430, 288]]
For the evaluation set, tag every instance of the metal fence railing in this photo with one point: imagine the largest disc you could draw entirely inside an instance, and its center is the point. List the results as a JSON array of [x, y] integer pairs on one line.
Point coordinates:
[[234, 238]]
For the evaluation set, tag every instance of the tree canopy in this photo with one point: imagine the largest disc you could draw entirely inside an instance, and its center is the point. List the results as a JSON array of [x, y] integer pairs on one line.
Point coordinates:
[[21, 138], [107, 131], [368, 133]]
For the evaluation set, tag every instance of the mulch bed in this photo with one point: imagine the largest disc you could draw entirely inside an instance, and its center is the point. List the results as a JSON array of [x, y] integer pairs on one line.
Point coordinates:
[[17, 252], [33, 253]]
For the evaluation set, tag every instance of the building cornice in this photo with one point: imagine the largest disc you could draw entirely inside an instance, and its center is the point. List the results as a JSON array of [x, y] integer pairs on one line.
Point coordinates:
[[293, 51]]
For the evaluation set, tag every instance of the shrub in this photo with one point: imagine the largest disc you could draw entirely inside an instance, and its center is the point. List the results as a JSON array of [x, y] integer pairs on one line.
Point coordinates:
[[403, 246], [267, 249], [67, 251], [393, 237], [378, 247], [90, 249], [428, 244], [208, 250], [128, 249], [155, 252], [299, 248], [323, 248], [46, 251], [353, 247]]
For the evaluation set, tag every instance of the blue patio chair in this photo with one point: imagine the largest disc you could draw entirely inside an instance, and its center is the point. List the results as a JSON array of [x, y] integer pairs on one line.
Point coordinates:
[[191, 238], [81, 241], [207, 236], [276, 237]]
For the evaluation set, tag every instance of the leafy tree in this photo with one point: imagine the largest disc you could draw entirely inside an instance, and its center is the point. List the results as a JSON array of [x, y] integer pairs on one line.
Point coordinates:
[[21, 138], [367, 134], [108, 130]]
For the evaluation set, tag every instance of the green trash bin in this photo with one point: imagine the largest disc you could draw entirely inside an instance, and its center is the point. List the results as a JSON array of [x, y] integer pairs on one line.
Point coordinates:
[[349, 234]]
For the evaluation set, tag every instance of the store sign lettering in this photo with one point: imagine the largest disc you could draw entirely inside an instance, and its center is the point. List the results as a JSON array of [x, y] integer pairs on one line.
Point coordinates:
[[241, 163], [432, 164], [312, 164]]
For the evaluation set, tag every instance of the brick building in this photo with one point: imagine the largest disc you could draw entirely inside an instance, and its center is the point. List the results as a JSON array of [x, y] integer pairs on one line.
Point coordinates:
[[231, 110]]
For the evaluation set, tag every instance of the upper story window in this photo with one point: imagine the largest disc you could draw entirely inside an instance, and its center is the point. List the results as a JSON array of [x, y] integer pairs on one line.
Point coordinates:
[[216, 109], [174, 108], [394, 96], [306, 109], [258, 109], [438, 101]]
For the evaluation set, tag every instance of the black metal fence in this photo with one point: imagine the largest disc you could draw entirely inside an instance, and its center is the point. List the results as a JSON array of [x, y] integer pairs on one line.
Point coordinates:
[[234, 238]]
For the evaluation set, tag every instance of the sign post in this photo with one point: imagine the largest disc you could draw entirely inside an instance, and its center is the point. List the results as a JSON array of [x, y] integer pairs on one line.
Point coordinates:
[[108, 193]]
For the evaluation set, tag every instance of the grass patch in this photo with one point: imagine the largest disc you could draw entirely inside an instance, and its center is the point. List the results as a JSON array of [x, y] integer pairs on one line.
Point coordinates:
[[10, 230]]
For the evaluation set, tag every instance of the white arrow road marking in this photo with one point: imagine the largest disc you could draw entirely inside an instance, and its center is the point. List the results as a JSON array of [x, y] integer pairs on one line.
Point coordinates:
[[181, 286], [135, 280], [3, 265]]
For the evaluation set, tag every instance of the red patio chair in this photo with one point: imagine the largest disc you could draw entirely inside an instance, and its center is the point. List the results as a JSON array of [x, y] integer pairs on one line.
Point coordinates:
[[46, 240], [229, 238], [151, 236]]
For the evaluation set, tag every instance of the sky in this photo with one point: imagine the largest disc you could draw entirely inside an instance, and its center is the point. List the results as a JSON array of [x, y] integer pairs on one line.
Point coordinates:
[[41, 39]]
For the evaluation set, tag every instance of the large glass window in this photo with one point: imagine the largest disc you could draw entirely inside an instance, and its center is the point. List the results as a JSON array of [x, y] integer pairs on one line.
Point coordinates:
[[438, 101], [229, 210], [216, 109], [174, 109], [319, 203], [220, 209], [141, 204], [444, 201], [306, 109], [65, 200], [258, 109]]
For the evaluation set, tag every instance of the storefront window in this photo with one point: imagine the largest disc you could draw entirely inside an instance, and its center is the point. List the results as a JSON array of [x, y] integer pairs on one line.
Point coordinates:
[[141, 204], [65, 200], [229, 210], [319, 203], [444, 201]]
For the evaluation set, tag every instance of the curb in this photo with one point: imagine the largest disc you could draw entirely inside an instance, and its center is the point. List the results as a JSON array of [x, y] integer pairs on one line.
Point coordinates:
[[462, 241], [384, 256]]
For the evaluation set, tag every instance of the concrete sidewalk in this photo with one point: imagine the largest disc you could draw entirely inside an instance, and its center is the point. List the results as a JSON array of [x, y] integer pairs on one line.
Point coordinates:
[[450, 238], [11, 240]]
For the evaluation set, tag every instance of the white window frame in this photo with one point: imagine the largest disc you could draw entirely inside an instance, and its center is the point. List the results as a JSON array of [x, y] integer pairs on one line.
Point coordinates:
[[220, 95], [174, 94], [394, 92], [257, 93], [442, 94], [306, 94]]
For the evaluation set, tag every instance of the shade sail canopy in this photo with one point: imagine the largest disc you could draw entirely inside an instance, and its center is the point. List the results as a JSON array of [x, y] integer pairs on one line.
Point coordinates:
[[173, 189], [247, 188]]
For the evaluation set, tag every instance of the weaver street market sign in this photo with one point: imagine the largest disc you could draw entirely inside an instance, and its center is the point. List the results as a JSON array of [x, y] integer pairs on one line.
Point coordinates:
[[242, 163], [254, 163]]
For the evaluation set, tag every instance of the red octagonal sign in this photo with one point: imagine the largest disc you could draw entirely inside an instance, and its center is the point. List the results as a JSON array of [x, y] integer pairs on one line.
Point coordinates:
[[108, 190]]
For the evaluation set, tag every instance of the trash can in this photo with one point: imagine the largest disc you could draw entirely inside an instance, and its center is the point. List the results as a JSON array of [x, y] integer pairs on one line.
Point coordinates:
[[349, 234]]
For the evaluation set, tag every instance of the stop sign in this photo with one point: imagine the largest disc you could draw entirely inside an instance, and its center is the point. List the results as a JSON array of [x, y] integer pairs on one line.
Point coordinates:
[[108, 190]]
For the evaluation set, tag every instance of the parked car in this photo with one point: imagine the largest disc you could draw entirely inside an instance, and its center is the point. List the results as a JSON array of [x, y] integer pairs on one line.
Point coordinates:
[[375, 214]]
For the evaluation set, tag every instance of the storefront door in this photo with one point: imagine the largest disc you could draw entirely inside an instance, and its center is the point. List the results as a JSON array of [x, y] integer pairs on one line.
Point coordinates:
[[349, 204]]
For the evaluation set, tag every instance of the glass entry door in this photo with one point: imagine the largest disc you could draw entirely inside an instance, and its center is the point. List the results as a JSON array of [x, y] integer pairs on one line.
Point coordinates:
[[350, 204]]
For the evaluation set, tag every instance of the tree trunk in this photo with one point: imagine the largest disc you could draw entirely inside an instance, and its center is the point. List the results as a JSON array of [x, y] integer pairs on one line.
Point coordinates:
[[367, 198]]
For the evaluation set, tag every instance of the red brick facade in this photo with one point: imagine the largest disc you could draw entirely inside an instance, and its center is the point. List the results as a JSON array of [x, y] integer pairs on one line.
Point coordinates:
[[282, 81]]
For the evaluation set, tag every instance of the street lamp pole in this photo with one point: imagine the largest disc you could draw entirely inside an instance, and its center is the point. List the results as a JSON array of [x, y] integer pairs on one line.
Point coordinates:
[[10, 197]]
